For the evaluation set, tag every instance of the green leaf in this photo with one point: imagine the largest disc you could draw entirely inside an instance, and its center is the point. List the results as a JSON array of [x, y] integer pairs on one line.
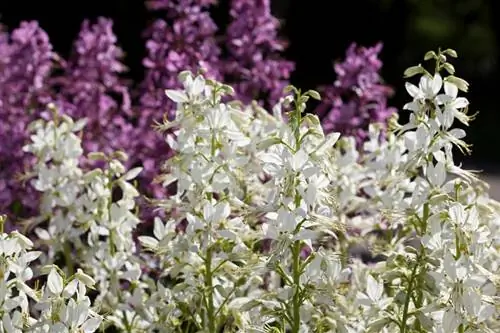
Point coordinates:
[[17, 208], [411, 249], [221, 290], [425, 321], [266, 143], [377, 325], [249, 306]]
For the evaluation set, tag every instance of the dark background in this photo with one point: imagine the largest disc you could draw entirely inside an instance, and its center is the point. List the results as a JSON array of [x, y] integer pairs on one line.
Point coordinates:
[[319, 31]]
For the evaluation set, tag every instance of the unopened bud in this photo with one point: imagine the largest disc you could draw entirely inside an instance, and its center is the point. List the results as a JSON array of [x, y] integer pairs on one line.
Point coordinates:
[[430, 55], [460, 83], [414, 70]]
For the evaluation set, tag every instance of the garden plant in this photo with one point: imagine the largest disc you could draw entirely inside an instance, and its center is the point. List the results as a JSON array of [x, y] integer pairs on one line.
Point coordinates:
[[263, 210], [91, 82]]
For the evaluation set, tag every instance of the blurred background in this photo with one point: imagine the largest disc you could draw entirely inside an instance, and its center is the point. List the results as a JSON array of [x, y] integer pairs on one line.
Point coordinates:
[[319, 31]]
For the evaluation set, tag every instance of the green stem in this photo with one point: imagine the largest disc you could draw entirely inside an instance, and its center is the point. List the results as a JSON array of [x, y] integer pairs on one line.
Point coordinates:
[[213, 143], [407, 299], [457, 244], [112, 247], [410, 290], [210, 296], [110, 204], [127, 325], [425, 217], [296, 120], [68, 259], [296, 287], [419, 302], [420, 277], [226, 300]]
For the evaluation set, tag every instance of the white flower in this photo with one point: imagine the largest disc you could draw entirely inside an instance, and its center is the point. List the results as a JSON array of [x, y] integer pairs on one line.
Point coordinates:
[[283, 226], [242, 175], [451, 320], [374, 295], [436, 174], [453, 106], [215, 214], [54, 282], [428, 88], [465, 220]]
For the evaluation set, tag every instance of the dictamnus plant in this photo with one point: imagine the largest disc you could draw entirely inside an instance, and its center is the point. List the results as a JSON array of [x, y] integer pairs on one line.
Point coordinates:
[[254, 237]]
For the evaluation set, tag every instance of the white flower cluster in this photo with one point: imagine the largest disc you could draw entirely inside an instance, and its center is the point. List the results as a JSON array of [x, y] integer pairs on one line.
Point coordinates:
[[60, 306], [82, 218], [260, 233]]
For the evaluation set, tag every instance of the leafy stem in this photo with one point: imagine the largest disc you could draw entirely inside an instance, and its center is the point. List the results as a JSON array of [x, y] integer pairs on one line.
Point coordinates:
[[67, 258], [409, 292], [209, 296], [415, 281], [296, 300]]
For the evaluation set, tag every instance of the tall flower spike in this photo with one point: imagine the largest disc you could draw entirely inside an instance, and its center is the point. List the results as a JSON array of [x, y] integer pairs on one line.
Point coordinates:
[[254, 67], [25, 64], [358, 97], [184, 41], [90, 84]]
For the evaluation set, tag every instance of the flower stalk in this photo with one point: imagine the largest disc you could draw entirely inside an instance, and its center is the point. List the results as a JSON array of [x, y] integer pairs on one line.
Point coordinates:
[[296, 287], [209, 290]]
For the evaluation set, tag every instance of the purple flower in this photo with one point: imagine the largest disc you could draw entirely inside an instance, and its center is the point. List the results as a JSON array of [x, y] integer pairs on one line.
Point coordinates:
[[254, 67], [25, 65], [358, 97], [91, 87], [305, 252], [176, 7], [184, 41]]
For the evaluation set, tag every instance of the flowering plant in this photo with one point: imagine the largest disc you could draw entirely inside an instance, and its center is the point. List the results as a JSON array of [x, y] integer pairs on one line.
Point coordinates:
[[26, 58], [119, 113], [358, 97], [257, 234], [90, 84]]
